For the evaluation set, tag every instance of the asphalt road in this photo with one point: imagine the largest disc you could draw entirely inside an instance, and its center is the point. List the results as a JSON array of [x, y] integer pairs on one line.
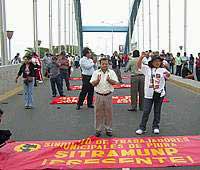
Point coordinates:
[[181, 116]]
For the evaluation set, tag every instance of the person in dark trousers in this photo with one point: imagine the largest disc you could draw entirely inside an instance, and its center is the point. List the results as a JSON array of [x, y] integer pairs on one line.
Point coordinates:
[[55, 77], [137, 83], [198, 67], [87, 67], [116, 65], [64, 69], [4, 134], [178, 61], [191, 63], [155, 77]]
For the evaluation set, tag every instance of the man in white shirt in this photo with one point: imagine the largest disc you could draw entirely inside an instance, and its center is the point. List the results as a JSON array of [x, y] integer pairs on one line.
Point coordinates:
[[103, 80], [87, 67]]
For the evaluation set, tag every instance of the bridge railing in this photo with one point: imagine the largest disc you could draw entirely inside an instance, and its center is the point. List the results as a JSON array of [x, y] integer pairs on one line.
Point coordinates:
[[7, 78]]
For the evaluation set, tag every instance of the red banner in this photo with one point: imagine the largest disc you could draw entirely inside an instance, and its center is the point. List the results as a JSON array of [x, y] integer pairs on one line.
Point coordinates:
[[118, 86], [80, 78], [95, 153], [115, 100]]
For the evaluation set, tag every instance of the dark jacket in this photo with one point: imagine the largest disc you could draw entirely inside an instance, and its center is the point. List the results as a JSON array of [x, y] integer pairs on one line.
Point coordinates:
[[31, 69]]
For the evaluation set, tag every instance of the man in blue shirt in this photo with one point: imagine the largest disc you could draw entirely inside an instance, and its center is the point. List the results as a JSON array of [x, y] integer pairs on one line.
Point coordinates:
[[87, 67]]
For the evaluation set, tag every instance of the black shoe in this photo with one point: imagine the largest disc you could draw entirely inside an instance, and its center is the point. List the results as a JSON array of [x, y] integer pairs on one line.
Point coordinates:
[[26, 107], [78, 107], [132, 110], [62, 95], [53, 95], [90, 106], [98, 133], [109, 134]]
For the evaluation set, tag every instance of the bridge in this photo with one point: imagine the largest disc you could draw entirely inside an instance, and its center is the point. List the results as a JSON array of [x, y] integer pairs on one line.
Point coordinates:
[[62, 122]]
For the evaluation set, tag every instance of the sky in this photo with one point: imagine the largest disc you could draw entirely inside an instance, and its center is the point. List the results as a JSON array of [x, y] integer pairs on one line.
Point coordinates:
[[94, 12]]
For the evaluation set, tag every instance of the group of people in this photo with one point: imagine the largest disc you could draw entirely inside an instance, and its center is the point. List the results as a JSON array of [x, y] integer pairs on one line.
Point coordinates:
[[148, 77], [57, 68]]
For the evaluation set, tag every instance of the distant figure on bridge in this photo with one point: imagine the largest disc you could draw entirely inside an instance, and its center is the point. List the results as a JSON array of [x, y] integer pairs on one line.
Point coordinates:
[[16, 59], [155, 77], [116, 64], [4, 134], [27, 70], [38, 70], [46, 62], [71, 62], [55, 77], [87, 67], [137, 83], [178, 64], [64, 69], [186, 73], [198, 67], [102, 80], [191, 63]]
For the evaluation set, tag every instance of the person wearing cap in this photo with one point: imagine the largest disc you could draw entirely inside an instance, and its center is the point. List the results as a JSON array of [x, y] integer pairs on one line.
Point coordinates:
[[155, 76], [27, 70], [102, 80], [137, 83]]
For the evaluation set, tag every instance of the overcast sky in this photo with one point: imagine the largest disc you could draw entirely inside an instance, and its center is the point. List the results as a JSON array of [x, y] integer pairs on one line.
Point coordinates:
[[19, 19]]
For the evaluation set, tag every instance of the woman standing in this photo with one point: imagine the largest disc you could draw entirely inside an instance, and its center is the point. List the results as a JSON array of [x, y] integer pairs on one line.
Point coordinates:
[[27, 70], [154, 91]]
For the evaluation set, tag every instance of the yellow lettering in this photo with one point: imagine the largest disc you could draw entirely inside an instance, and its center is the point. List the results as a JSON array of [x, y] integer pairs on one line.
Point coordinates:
[[72, 154], [47, 144], [171, 151], [97, 153], [160, 159], [177, 160], [91, 161], [109, 161], [146, 152], [74, 162], [156, 152], [126, 160], [145, 161], [130, 152], [112, 153], [61, 154], [83, 153]]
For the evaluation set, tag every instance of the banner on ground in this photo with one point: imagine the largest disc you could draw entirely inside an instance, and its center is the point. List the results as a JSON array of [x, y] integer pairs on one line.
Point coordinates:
[[80, 78], [115, 100], [102, 153], [117, 86]]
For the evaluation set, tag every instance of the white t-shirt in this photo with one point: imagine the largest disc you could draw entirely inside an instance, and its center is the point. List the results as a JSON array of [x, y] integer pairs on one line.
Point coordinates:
[[154, 81], [104, 87]]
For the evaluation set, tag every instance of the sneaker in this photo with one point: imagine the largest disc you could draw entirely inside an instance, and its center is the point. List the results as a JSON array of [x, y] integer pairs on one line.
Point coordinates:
[[156, 131], [139, 132], [109, 133]]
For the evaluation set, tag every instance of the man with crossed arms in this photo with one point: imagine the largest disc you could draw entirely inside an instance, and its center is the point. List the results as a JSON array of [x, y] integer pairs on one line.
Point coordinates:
[[102, 80]]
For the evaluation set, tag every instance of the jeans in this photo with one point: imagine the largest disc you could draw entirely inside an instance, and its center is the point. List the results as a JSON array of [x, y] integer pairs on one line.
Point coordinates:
[[148, 103], [28, 93], [56, 81]]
